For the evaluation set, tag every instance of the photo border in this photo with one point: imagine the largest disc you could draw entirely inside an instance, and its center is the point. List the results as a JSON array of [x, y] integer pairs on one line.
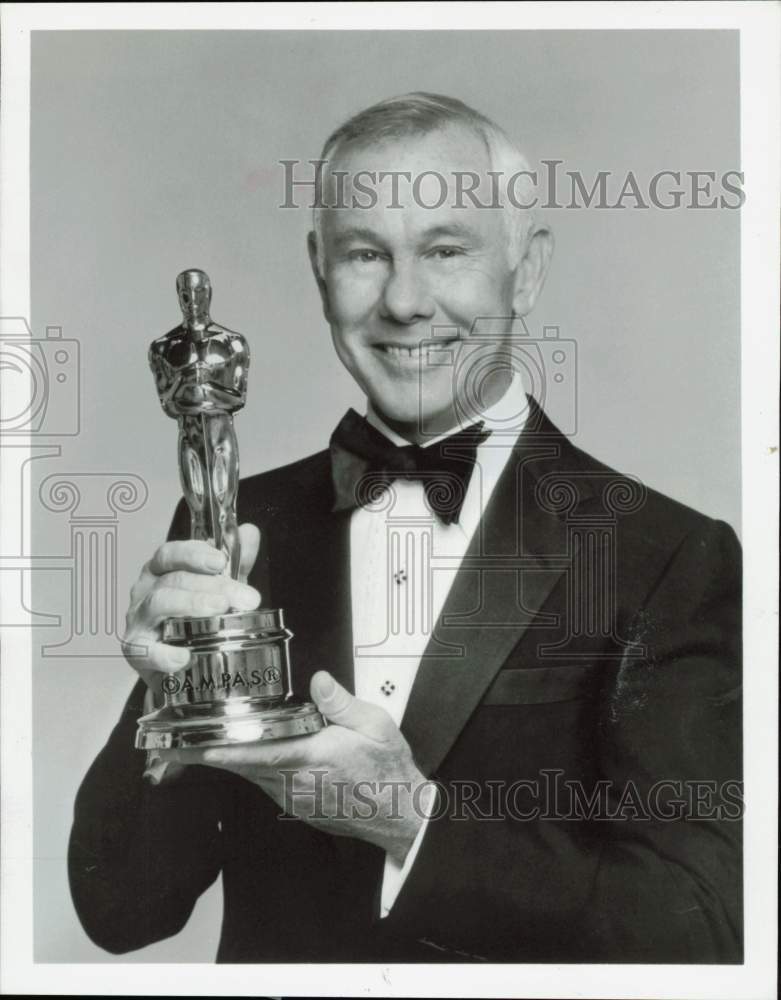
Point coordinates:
[[758, 24]]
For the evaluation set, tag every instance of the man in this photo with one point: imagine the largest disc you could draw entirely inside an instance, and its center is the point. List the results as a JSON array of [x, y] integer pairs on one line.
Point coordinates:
[[530, 664]]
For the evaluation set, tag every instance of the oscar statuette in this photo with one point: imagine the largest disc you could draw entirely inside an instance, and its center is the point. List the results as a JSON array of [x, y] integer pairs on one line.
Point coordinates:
[[236, 687]]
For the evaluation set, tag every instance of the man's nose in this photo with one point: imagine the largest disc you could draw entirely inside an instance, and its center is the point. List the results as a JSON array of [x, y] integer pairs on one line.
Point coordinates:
[[406, 297]]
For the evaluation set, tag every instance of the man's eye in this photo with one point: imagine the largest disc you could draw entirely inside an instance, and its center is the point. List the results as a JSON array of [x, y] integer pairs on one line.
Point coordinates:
[[446, 253], [365, 256]]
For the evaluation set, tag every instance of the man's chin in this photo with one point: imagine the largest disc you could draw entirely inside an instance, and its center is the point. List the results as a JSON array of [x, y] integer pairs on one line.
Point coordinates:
[[416, 422], [404, 421]]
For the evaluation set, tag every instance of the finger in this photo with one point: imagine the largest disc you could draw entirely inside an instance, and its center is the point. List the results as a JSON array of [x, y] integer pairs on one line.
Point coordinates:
[[241, 595], [193, 555], [249, 534], [146, 653], [339, 706], [262, 758], [166, 602]]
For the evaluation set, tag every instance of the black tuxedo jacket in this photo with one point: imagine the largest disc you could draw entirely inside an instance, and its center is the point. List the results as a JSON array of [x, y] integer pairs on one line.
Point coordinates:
[[578, 705]]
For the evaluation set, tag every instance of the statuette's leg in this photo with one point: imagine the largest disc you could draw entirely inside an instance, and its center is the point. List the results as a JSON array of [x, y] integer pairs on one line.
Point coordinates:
[[223, 461], [194, 476]]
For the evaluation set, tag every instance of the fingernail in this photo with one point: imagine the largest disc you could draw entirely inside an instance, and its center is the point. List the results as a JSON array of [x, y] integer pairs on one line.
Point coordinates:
[[327, 685], [215, 559]]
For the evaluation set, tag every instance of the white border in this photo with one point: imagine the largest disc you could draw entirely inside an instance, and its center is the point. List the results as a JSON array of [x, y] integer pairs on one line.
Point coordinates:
[[760, 115], [16, 854]]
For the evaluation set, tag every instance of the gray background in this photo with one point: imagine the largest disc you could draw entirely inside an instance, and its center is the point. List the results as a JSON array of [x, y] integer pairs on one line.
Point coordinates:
[[155, 151]]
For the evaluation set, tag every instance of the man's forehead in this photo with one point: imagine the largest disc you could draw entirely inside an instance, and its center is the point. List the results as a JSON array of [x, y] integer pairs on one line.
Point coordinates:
[[413, 181], [451, 148]]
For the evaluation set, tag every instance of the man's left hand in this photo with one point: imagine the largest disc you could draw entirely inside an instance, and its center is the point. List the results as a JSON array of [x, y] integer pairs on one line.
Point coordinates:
[[355, 778]]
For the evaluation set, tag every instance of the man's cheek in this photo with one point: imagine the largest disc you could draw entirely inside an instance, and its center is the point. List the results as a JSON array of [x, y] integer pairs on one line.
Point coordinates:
[[466, 293], [354, 295]]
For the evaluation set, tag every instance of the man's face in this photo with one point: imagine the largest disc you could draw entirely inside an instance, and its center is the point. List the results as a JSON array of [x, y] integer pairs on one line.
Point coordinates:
[[390, 274]]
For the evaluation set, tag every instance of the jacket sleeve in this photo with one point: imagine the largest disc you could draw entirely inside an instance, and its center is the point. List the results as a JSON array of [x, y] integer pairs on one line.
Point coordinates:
[[140, 855], [659, 882]]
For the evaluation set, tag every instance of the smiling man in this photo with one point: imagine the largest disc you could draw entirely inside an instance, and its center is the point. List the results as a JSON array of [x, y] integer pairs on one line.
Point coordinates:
[[445, 258], [530, 664]]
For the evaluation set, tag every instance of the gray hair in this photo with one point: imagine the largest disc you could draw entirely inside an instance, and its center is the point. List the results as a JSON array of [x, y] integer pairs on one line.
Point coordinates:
[[420, 113]]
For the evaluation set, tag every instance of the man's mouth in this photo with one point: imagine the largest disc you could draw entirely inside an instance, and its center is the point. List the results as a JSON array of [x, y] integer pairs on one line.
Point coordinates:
[[396, 351], [412, 351]]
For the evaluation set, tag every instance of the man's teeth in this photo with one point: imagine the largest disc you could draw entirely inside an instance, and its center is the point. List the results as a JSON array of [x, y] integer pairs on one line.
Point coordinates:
[[402, 352]]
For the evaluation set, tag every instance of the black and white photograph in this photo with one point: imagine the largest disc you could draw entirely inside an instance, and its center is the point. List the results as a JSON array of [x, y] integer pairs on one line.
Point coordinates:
[[390, 485]]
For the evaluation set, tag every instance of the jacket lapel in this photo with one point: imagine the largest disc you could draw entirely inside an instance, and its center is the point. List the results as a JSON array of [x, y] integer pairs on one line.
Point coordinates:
[[513, 561], [324, 636]]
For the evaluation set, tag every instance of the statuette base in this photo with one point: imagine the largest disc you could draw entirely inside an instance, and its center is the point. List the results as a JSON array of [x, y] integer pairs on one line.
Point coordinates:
[[235, 688], [167, 729]]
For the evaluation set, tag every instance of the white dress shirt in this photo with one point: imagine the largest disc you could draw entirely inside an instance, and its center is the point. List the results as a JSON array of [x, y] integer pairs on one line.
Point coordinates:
[[397, 588]]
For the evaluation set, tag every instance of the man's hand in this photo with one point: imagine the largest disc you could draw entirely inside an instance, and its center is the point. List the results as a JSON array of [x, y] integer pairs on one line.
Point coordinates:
[[355, 778], [181, 580]]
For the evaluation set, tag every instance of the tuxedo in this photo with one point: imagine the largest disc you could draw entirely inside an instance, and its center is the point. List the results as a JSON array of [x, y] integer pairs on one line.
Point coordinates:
[[578, 706]]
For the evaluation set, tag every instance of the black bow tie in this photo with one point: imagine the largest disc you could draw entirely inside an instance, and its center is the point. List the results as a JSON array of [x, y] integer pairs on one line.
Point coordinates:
[[364, 462]]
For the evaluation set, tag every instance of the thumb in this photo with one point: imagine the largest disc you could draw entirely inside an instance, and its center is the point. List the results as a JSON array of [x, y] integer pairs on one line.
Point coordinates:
[[249, 536], [339, 706]]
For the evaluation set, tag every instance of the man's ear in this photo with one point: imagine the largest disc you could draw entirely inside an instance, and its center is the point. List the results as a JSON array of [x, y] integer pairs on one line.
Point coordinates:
[[532, 269], [311, 243]]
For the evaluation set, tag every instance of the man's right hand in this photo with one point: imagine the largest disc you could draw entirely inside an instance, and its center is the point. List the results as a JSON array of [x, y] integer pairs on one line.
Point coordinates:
[[183, 580]]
